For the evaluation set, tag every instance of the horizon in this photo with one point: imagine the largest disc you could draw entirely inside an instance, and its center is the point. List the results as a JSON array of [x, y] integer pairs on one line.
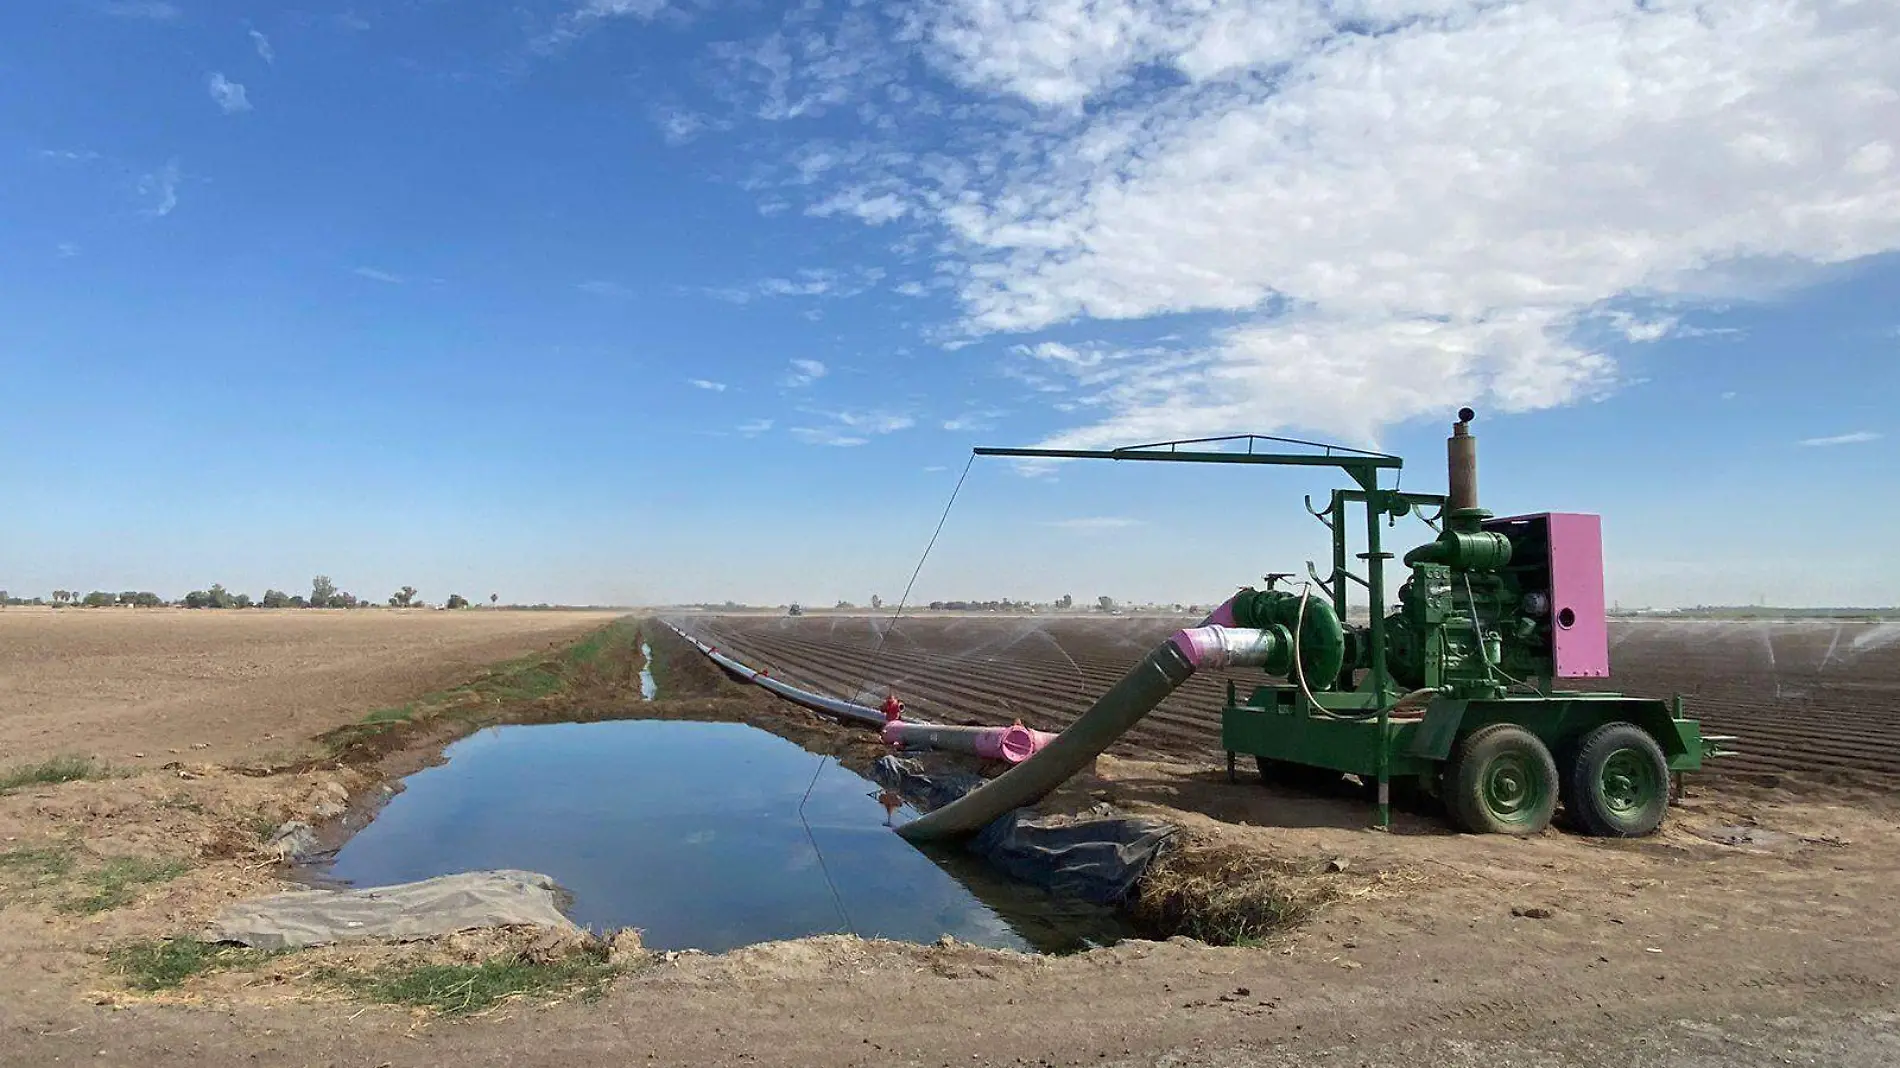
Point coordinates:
[[628, 302]]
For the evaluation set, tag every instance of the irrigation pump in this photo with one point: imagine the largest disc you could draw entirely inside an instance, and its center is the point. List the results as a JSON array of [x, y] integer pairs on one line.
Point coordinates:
[[1454, 692]]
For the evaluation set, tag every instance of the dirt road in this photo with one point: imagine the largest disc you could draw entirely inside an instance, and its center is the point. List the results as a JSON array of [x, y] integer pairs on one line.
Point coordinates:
[[112, 683], [1759, 929]]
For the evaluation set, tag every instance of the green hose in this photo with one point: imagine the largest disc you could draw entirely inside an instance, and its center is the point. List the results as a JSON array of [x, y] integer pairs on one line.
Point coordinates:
[[1139, 691]]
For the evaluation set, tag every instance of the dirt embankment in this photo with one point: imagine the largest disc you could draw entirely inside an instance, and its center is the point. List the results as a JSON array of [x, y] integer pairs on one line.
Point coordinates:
[[1422, 944]]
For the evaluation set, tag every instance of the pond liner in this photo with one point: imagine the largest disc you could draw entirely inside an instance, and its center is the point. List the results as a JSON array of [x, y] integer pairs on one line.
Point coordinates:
[[1098, 857]]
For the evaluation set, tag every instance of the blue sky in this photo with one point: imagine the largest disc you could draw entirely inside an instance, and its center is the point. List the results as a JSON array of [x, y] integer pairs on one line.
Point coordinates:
[[646, 300]]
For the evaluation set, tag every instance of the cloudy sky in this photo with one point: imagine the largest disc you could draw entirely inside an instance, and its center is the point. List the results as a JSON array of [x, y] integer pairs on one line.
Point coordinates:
[[640, 300]]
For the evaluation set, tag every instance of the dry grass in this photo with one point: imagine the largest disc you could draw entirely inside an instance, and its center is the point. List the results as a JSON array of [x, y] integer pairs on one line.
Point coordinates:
[[1230, 897], [57, 770]]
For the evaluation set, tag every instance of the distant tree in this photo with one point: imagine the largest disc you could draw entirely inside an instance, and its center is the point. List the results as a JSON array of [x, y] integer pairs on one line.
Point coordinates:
[[403, 598], [321, 592], [844, 604], [276, 599], [456, 600], [1105, 603], [147, 599], [876, 601], [100, 599], [341, 599], [493, 597], [299, 602], [242, 600], [197, 599], [219, 597], [1066, 601], [61, 596]]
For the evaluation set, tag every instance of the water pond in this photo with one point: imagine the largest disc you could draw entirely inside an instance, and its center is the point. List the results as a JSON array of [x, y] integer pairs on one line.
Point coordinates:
[[703, 835]]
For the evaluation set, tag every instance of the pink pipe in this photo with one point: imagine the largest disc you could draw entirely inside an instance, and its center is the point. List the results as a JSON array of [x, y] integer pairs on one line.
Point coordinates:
[[1012, 744]]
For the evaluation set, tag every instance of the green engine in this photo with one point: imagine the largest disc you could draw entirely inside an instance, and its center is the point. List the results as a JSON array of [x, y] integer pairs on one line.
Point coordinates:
[[1470, 623], [1473, 619]]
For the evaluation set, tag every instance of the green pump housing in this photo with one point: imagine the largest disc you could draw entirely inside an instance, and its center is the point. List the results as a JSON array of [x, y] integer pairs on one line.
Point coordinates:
[[1452, 693]]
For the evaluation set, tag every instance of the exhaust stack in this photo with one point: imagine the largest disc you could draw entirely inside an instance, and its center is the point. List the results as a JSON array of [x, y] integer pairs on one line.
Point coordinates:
[[1461, 452]]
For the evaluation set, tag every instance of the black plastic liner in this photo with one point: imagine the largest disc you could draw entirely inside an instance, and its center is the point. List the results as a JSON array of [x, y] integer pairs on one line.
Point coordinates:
[[1097, 858]]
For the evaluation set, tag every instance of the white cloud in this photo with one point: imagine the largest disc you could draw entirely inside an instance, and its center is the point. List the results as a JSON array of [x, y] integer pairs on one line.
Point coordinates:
[[875, 209], [602, 288], [804, 373], [262, 43], [377, 275], [707, 384], [584, 17], [1729, 395], [910, 289], [67, 155], [828, 436], [874, 422], [1859, 437], [1638, 329], [755, 427], [934, 468], [66, 250], [679, 125], [805, 70], [983, 419], [1391, 207], [161, 187], [816, 282], [151, 10], [1093, 523], [848, 429], [229, 95]]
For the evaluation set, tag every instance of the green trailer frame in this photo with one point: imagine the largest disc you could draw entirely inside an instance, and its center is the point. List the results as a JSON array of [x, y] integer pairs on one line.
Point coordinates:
[[1278, 723]]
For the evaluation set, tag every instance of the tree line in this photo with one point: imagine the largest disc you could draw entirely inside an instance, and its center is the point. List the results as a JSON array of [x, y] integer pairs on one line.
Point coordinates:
[[323, 594]]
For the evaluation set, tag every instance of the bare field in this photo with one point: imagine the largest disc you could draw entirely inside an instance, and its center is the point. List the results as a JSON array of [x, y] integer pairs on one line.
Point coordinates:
[[115, 683], [1699, 946], [1817, 696]]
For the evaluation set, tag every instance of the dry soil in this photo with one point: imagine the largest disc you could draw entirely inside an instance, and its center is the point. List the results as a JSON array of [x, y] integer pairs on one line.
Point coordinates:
[[1759, 929]]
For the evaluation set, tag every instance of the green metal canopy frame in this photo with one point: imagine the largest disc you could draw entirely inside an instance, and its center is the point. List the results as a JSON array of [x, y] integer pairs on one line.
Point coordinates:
[[1361, 465]]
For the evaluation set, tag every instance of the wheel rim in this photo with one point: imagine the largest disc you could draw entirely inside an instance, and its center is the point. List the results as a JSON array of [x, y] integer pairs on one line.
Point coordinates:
[[1514, 788], [1628, 783]]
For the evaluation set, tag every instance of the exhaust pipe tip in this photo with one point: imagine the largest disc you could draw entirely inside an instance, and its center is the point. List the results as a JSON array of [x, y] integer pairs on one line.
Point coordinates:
[[1461, 452]]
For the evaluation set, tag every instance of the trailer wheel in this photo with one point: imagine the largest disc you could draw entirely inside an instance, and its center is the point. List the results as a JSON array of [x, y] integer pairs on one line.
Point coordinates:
[[1502, 780], [1617, 784]]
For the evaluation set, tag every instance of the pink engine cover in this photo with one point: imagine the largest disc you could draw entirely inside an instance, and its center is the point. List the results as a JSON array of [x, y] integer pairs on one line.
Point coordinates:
[[1579, 613]]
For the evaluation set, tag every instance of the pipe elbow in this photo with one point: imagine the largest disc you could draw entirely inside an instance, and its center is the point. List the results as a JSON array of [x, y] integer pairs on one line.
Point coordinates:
[[1215, 646]]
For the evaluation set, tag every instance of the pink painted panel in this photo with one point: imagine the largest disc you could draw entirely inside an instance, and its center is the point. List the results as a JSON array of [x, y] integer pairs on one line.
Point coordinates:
[[1576, 596], [1580, 625]]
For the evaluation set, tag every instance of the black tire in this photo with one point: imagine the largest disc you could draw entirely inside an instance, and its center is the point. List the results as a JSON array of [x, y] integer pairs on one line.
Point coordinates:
[[1616, 785], [1502, 780]]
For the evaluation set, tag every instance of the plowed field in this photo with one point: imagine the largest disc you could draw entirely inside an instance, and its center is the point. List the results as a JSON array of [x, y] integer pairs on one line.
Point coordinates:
[[1815, 696]]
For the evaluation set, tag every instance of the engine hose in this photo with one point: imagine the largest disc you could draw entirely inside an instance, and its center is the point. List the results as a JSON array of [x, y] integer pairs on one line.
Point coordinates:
[[1299, 669]]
